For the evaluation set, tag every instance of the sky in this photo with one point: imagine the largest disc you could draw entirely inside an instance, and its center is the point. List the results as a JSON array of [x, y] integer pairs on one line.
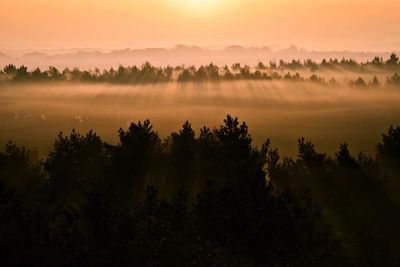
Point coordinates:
[[356, 25]]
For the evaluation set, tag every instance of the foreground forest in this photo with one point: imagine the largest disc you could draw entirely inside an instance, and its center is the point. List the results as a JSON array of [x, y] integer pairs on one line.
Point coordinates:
[[295, 70], [211, 199]]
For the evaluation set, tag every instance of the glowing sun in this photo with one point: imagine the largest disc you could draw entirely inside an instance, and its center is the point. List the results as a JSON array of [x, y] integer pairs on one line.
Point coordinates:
[[200, 2], [204, 7]]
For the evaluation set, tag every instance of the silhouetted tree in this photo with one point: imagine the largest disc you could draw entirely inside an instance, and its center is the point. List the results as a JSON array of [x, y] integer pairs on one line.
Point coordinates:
[[375, 82], [393, 60], [136, 159], [75, 165], [359, 82], [21, 171], [97, 204], [394, 80]]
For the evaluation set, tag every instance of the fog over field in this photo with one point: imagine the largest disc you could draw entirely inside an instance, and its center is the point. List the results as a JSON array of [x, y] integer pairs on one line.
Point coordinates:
[[33, 114], [244, 133]]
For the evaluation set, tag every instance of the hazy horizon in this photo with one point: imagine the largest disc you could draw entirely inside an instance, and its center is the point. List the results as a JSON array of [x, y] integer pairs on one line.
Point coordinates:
[[20, 50], [87, 58], [329, 25]]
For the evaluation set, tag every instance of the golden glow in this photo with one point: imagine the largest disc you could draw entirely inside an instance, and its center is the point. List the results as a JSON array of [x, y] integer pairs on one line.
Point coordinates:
[[202, 8], [201, 5], [200, 2], [322, 25]]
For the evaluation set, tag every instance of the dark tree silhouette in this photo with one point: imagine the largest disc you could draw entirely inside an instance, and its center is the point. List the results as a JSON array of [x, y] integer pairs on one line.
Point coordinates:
[[147, 73], [211, 200]]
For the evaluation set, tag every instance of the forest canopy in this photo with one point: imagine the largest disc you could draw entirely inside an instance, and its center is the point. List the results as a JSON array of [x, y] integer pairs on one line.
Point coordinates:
[[205, 199], [148, 73]]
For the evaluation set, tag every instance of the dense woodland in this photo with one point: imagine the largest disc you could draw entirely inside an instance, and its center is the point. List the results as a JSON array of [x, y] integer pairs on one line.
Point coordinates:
[[205, 199], [272, 71]]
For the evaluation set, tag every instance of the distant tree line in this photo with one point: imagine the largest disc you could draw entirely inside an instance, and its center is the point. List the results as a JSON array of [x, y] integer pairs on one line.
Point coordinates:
[[213, 199], [151, 74]]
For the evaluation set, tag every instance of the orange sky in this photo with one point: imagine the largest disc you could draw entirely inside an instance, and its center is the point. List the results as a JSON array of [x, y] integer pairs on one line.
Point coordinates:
[[322, 25]]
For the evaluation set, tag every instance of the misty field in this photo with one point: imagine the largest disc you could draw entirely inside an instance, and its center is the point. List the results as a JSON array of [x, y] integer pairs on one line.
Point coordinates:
[[33, 114]]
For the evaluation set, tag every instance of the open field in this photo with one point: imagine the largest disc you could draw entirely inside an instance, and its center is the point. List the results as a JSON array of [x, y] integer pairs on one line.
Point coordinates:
[[33, 114]]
